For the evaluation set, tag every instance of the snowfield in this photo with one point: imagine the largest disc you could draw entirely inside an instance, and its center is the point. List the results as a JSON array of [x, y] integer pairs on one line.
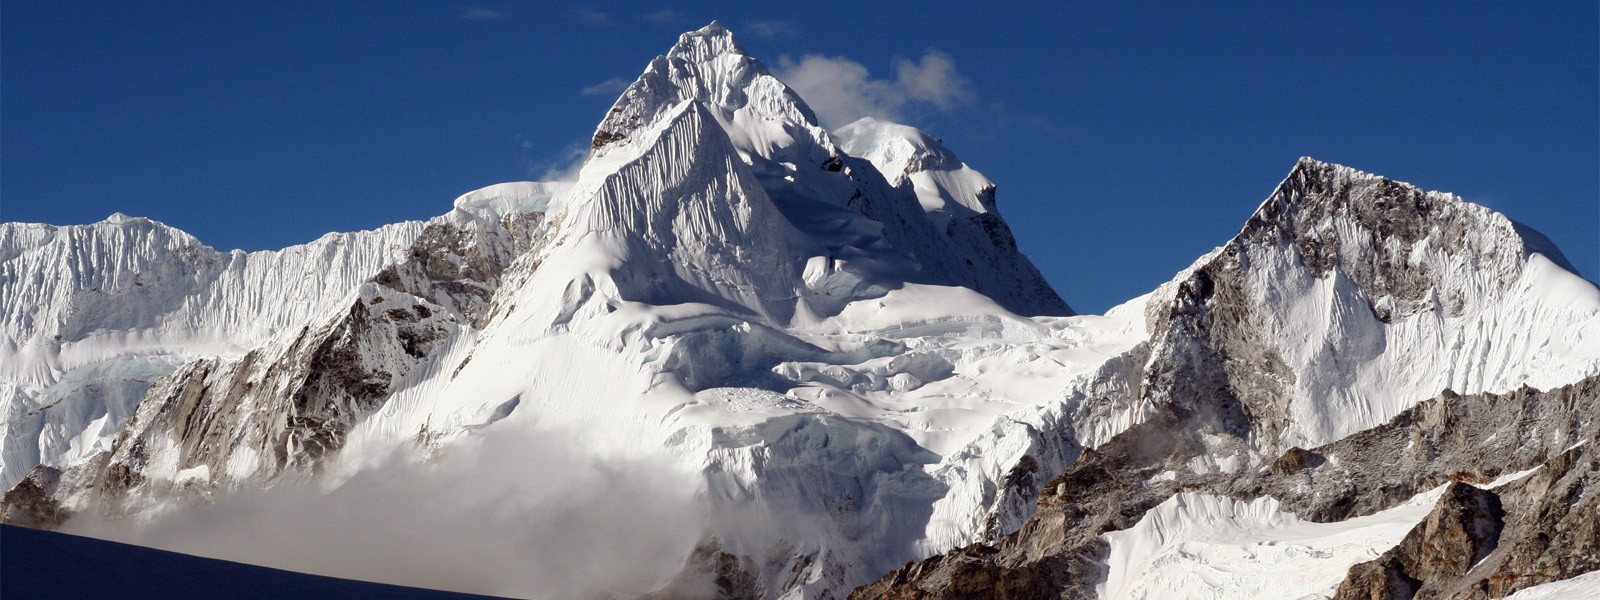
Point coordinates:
[[1203, 546]]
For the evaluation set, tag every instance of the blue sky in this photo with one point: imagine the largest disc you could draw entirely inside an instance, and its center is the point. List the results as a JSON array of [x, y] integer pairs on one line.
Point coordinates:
[[1126, 140]]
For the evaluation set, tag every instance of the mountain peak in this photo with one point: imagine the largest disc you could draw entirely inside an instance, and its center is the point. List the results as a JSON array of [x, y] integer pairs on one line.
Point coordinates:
[[1312, 162], [1322, 188], [709, 66], [1394, 207], [897, 149], [1404, 249], [706, 43]]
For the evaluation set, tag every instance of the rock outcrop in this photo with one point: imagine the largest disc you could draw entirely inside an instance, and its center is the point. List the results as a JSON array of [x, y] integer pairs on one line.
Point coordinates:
[[1476, 544]]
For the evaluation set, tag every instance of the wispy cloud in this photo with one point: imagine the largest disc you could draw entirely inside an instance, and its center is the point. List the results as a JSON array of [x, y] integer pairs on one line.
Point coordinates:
[[481, 13], [615, 85], [564, 166], [770, 29], [665, 16], [841, 90], [592, 16]]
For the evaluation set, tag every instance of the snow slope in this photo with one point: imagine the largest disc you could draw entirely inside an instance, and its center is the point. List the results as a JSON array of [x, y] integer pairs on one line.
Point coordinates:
[[1199, 545], [1582, 587]]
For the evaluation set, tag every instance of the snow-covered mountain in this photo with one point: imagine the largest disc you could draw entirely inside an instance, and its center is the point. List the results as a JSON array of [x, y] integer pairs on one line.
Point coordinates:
[[1322, 325], [834, 340], [95, 313]]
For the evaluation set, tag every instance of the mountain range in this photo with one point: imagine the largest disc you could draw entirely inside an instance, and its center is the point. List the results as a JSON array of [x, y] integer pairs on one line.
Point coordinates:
[[743, 356]]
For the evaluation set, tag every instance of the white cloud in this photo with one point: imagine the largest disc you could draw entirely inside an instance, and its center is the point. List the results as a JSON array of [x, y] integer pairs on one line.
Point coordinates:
[[480, 13], [841, 90], [615, 85], [769, 29], [664, 16], [592, 16], [518, 513], [933, 80]]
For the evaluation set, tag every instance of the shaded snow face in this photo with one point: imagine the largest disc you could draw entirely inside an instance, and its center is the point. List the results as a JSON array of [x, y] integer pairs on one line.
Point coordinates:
[[515, 513]]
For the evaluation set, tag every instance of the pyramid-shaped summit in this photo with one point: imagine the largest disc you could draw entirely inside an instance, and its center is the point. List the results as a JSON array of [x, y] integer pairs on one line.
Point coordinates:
[[707, 65], [879, 227]]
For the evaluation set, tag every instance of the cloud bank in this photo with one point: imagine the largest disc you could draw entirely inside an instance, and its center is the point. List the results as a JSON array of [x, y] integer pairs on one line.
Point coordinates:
[[841, 90], [521, 515]]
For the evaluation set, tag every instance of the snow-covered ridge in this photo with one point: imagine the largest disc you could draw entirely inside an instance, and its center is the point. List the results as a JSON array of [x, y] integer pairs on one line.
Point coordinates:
[[90, 315], [1398, 243], [79, 294], [94, 314], [709, 65], [946, 186]]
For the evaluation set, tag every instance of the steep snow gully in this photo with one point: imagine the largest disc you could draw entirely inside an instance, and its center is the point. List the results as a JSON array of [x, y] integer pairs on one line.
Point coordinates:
[[825, 351]]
